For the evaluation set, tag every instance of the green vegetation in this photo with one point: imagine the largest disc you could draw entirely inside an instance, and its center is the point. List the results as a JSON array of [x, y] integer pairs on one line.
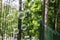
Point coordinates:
[[33, 15]]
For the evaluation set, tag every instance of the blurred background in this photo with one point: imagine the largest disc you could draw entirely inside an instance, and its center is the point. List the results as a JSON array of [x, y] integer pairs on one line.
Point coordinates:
[[26, 16]]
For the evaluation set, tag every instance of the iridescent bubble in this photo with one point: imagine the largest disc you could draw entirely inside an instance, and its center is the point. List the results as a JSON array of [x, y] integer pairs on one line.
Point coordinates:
[[22, 15], [23, 27]]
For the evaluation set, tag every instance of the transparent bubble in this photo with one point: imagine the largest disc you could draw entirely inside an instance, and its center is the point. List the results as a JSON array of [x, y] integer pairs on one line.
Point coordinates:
[[23, 27], [22, 15], [52, 1]]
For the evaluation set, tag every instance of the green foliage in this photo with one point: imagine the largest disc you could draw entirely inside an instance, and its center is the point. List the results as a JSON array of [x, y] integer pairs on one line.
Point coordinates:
[[34, 6], [33, 16], [53, 9], [8, 19]]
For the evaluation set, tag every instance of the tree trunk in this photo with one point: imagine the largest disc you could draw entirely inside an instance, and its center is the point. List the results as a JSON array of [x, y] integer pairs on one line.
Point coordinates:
[[19, 21], [45, 17], [57, 13]]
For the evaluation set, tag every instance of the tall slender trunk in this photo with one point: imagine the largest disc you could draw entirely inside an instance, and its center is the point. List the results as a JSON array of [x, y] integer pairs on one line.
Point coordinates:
[[19, 21], [56, 15], [45, 12], [57, 11], [45, 16], [41, 28], [57, 24]]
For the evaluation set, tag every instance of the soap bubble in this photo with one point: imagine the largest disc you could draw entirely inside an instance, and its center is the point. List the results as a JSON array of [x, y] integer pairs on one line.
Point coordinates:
[[23, 27], [22, 15]]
